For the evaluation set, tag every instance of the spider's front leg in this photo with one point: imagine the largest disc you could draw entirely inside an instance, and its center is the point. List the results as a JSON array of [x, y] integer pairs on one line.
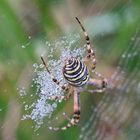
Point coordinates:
[[63, 87], [89, 60], [76, 116]]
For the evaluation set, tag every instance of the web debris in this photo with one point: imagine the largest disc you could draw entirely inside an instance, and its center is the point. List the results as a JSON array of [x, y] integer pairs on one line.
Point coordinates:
[[42, 106]]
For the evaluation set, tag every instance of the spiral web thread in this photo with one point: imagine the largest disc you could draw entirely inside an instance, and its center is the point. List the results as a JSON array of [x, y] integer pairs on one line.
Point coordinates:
[[117, 115]]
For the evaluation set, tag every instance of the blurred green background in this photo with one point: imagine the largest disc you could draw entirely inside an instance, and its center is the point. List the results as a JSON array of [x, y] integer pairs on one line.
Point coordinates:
[[25, 26]]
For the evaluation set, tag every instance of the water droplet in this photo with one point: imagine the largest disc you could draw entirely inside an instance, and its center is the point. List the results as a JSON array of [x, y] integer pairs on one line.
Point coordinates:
[[123, 56], [23, 46]]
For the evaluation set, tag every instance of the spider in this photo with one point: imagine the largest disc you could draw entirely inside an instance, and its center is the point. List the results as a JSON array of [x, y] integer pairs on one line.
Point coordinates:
[[77, 74]]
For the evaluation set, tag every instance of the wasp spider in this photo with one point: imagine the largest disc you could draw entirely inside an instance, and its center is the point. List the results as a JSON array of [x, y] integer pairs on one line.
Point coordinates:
[[76, 72]]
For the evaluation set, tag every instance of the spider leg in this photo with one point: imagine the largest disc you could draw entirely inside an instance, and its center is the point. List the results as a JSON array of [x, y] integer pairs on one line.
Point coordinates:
[[103, 79], [101, 83], [65, 88], [90, 53], [66, 116], [61, 97], [53, 97], [76, 116]]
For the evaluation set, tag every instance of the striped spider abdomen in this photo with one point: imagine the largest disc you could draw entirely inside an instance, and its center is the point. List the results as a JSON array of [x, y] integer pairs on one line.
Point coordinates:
[[75, 72]]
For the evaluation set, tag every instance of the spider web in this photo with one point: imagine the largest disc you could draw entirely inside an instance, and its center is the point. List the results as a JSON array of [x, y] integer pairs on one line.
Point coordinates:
[[116, 115], [42, 106]]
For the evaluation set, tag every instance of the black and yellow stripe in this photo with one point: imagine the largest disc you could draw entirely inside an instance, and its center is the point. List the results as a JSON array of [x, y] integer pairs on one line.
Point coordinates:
[[75, 72]]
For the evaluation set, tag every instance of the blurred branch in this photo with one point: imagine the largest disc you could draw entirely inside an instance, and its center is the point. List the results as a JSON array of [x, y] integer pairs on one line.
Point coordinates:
[[11, 122]]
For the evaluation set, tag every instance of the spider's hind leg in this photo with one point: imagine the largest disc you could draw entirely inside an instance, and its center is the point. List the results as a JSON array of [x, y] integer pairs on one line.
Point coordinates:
[[76, 116]]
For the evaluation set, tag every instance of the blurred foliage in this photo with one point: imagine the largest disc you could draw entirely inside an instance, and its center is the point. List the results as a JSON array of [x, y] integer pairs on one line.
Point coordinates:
[[25, 26]]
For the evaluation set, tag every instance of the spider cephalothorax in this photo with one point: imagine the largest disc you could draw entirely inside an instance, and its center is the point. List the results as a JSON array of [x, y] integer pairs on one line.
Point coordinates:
[[76, 73]]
